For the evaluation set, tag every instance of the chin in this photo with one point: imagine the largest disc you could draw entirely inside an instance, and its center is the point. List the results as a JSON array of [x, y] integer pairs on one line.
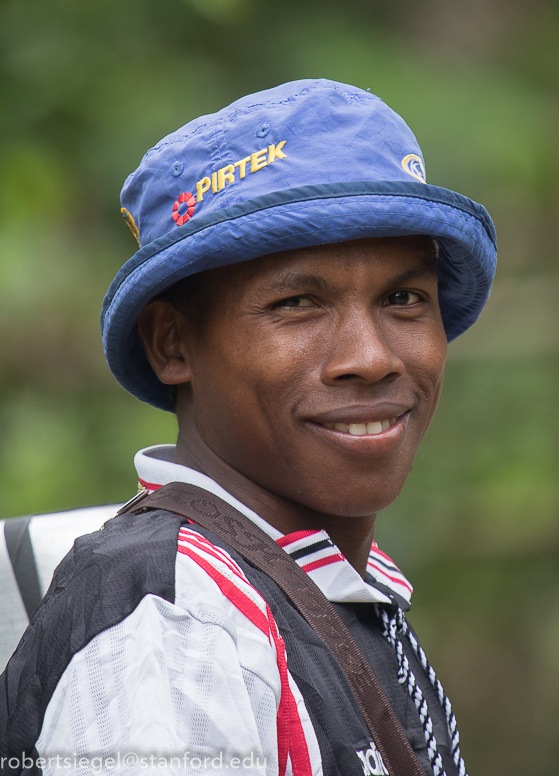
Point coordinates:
[[349, 506]]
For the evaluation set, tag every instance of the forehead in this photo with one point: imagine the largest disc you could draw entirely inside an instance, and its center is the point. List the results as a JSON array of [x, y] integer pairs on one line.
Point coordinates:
[[371, 259]]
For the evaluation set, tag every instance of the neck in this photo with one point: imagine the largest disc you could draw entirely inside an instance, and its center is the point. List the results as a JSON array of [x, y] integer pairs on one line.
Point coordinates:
[[353, 536]]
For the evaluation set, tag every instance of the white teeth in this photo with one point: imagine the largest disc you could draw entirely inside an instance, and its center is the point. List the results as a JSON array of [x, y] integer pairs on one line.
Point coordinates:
[[358, 429]]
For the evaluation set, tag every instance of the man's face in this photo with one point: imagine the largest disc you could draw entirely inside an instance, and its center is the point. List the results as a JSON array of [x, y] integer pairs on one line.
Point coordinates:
[[316, 372]]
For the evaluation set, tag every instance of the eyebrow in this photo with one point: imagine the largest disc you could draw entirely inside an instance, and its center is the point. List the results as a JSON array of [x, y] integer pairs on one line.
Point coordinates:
[[414, 274], [293, 280]]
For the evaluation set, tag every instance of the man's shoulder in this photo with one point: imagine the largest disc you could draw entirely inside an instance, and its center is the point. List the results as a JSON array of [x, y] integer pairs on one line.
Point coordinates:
[[130, 555], [99, 583]]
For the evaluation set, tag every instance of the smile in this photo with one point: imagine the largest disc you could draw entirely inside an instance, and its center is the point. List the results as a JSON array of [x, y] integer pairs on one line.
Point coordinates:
[[355, 433], [361, 429]]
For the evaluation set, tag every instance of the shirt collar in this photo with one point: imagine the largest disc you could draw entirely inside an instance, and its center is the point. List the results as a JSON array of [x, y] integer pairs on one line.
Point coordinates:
[[314, 551]]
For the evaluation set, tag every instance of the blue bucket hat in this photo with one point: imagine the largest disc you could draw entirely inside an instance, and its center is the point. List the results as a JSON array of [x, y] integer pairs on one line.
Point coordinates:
[[310, 162]]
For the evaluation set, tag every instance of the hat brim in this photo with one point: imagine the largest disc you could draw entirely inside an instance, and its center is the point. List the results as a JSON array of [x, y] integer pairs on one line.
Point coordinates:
[[297, 218]]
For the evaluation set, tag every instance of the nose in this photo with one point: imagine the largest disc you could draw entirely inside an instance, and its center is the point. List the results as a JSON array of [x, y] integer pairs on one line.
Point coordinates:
[[361, 350]]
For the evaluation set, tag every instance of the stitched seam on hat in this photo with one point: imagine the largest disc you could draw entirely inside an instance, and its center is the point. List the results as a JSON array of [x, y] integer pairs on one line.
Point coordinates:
[[311, 202], [178, 235], [123, 352], [246, 109], [264, 213], [259, 215], [225, 157], [121, 292], [281, 238], [164, 144]]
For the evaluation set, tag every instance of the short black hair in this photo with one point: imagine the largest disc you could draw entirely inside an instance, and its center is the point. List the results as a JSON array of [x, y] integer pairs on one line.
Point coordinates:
[[183, 294]]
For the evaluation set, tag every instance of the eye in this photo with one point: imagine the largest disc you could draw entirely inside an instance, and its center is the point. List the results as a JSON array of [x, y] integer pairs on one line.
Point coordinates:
[[296, 301], [403, 298]]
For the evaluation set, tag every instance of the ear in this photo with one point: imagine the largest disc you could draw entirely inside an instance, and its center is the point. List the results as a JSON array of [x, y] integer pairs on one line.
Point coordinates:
[[163, 330]]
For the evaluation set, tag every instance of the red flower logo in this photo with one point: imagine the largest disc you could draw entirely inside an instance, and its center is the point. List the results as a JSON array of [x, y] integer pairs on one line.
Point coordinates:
[[190, 201]]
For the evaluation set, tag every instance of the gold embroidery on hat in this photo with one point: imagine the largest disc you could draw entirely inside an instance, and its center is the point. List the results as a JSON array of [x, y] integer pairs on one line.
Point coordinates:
[[201, 188], [131, 223], [275, 152], [257, 163], [413, 165], [242, 165], [226, 175]]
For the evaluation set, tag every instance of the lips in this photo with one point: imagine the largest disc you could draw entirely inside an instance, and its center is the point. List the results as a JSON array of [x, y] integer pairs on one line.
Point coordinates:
[[372, 429]]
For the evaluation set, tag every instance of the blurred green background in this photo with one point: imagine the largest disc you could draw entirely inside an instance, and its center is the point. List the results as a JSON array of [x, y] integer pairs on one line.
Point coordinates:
[[87, 86]]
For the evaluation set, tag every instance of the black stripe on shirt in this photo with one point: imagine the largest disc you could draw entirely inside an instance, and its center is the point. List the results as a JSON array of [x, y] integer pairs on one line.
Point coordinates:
[[20, 550], [321, 545], [386, 565]]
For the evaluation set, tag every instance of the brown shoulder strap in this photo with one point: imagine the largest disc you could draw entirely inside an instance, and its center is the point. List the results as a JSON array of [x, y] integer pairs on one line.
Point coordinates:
[[262, 552]]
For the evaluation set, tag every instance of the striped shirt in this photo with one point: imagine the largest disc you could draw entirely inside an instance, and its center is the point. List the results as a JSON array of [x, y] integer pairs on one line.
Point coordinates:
[[163, 641]]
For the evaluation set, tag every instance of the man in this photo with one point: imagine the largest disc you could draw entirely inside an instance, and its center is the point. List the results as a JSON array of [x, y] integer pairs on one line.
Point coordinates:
[[291, 301]]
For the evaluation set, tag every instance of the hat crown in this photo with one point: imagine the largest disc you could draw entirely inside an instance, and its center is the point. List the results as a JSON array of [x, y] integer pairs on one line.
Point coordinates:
[[301, 133]]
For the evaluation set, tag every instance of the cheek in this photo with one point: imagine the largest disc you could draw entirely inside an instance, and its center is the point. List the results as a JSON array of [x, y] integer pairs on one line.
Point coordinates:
[[245, 381], [430, 367], [422, 349], [426, 367]]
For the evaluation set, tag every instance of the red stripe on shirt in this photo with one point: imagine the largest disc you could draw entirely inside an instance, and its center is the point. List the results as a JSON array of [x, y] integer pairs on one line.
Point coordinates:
[[386, 557], [392, 579], [283, 541], [316, 564], [291, 736], [207, 547], [187, 534], [282, 716], [148, 485], [230, 591], [197, 540]]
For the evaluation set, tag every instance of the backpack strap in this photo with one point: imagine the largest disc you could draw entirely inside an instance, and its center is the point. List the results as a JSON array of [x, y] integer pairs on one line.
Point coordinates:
[[262, 552]]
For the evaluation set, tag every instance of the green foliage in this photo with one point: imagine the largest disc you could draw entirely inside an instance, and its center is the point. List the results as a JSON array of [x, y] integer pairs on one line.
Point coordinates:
[[87, 87]]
